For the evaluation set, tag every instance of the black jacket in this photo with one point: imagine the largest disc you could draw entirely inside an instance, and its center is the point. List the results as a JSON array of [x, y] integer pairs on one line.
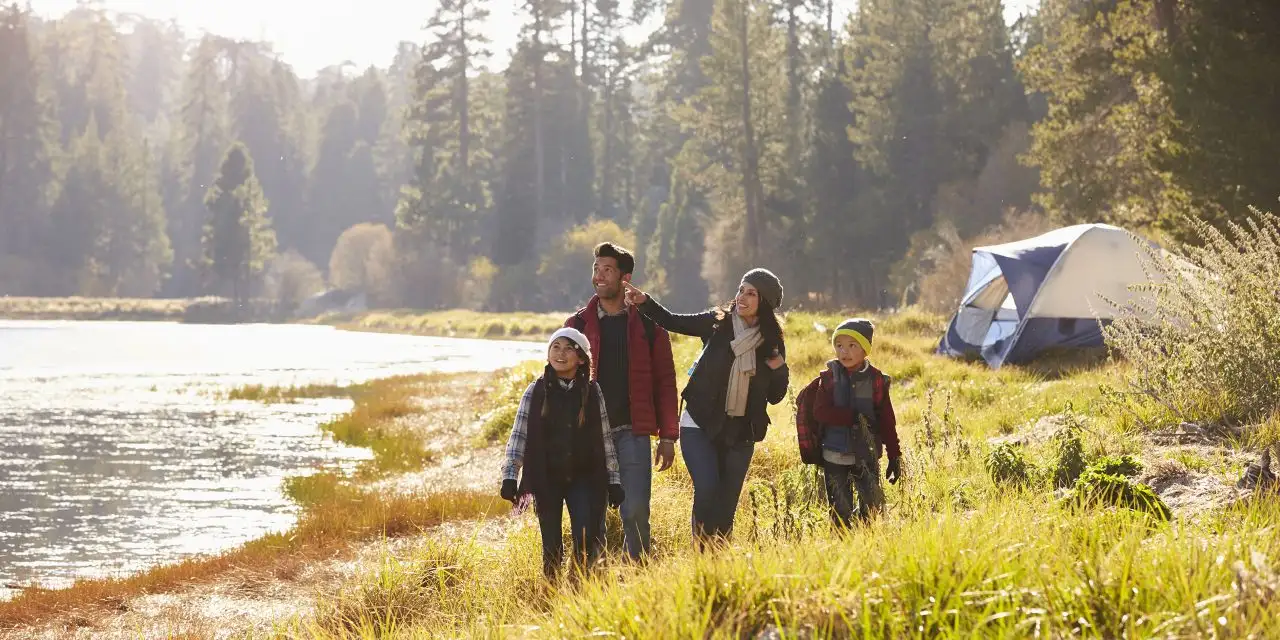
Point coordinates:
[[704, 396]]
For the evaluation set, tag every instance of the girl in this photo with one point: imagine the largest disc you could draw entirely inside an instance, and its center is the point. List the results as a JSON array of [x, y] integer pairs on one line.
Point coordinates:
[[742, 369], [561, 441]]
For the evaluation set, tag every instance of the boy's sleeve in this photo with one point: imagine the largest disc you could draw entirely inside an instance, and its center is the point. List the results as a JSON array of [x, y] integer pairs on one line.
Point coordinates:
[[514, 459], [889, 423], [610, 450], [664, 385], [825, 409]]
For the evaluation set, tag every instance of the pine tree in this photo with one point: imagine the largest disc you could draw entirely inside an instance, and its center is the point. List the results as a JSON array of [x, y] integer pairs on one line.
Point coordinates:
[[26, 157], [238, 239]]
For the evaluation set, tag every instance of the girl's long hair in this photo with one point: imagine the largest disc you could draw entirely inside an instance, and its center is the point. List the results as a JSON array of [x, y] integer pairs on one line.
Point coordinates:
[[581, 381], [770, 325]]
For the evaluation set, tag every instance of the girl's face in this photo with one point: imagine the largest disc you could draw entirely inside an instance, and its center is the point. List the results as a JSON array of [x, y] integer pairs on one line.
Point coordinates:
[[563, 357], [747, 302]]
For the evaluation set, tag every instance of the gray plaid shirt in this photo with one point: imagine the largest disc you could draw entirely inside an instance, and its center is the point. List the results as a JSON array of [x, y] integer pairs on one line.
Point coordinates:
[[520, 434]]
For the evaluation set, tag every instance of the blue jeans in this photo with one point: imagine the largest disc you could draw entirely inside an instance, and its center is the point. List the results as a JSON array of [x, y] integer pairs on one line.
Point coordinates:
[[635, 465], [718, 473], [586, 501]]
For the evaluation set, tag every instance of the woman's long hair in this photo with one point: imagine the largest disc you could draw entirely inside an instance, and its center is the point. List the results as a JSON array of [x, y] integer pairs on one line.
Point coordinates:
[[581, 381], [770, 324]]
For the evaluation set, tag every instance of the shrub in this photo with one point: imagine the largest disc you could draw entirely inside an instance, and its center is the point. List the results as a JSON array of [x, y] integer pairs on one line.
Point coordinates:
[[1069, 459], [1125, 465], [1096, 488], [1006, 465], [291, 278], [1204, 342], [364, 258]]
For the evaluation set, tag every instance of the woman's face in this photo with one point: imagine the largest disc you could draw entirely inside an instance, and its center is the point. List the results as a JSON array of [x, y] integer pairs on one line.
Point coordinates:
[[747, 303]]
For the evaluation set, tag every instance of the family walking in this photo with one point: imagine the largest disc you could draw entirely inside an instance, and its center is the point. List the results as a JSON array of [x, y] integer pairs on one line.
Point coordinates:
[[583, 432]]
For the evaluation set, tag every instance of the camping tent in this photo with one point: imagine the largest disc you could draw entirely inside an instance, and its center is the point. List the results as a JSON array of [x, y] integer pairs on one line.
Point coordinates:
[[1045, 292]]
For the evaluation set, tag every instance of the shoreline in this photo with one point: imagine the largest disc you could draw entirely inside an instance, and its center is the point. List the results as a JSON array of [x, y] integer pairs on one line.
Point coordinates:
[[338, 512], [451, 323]]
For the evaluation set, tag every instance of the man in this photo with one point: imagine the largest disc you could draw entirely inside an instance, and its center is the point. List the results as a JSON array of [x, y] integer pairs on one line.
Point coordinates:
[[631, 361]]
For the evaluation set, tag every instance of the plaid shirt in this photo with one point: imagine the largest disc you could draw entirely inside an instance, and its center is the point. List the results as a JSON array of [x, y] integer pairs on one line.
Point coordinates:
[[520, 434]]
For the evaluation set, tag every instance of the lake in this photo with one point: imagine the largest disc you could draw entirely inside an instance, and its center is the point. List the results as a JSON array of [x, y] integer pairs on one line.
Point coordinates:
[[117, 452]]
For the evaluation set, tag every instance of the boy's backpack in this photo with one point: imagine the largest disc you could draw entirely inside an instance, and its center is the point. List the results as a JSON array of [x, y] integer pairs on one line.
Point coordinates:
[[808, 432]]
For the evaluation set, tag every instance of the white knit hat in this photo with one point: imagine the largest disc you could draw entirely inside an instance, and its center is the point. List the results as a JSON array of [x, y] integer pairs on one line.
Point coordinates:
[[575, 336]]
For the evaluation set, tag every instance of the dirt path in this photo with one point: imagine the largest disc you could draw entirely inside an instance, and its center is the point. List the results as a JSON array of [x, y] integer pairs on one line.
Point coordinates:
[[249, 602]]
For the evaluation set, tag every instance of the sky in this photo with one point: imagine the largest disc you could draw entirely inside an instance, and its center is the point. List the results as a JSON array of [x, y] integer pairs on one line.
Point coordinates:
[[313, 35]]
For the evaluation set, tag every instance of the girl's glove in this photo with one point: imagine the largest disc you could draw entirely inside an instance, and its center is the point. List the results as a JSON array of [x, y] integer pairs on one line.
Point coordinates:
[[509, 490], [616, 495]]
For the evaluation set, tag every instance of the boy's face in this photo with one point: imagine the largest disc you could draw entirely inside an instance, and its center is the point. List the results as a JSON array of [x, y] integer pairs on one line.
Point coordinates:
[[607, 279], [563, 357], [849, 352]]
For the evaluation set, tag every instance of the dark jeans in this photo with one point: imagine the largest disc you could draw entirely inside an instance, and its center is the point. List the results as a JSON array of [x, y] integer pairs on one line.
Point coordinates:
[[635, 466], [843, 480], [718, 472], [585, 499]]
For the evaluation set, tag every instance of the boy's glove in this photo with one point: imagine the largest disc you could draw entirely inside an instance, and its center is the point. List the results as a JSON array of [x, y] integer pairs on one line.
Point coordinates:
[[894, 471], [509, 490], [616, 495]]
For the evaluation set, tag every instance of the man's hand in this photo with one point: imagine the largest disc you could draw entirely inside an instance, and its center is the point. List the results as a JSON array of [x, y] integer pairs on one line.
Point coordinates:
[[632, 295], [665, 455], [894, 471]]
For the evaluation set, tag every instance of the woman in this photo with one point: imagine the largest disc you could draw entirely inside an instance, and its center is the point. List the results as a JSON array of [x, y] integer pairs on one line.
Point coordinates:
[[741, 370]]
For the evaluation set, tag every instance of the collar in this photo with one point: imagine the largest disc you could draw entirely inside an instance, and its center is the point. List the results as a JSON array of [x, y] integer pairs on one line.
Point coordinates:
[[565, 384], [601, 313]]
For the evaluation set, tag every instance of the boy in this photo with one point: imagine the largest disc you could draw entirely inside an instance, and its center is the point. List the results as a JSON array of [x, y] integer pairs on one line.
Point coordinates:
[[561, 449], [855, 419]]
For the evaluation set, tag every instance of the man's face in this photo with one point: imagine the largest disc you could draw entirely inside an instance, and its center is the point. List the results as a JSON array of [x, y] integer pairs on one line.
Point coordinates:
[[607, 279]]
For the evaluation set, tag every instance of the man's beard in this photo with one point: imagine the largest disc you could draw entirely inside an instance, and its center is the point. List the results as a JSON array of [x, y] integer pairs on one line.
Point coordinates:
[[608, 293]]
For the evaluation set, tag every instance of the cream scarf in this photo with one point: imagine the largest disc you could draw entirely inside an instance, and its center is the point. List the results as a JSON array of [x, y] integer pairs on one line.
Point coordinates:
[[745, 341]]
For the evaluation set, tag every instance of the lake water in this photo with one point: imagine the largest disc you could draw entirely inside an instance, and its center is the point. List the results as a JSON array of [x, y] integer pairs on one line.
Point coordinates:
[[117, 453]]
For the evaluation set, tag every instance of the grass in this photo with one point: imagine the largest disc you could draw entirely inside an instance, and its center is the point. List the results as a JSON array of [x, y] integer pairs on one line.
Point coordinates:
[[288, 394], [456, 323], [956, 554], [77, 308]]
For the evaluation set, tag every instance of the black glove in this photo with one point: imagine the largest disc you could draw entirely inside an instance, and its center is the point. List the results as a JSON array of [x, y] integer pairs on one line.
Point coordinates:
[[509, 490], [616, 495], [894, 471]]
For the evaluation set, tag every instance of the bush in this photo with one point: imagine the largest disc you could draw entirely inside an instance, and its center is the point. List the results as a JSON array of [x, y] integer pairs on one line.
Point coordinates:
[[1069, 459], [1006, 465], [1103, 489], [364, 258], [291, 278], [1203, 344], [1125, 465]]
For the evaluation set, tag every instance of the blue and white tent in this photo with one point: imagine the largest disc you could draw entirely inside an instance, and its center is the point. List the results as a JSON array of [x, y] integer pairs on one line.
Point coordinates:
[[1045, 292]]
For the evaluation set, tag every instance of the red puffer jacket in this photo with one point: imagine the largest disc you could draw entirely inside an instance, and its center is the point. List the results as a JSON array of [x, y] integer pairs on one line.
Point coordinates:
[[651, 369]]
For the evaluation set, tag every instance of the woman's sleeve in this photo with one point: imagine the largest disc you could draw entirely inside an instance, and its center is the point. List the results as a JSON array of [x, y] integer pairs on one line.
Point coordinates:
[[698, 325]]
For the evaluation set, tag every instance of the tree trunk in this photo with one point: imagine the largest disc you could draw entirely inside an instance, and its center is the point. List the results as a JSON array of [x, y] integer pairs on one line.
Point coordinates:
[[463, 97], [538, 147], [751, 163]]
